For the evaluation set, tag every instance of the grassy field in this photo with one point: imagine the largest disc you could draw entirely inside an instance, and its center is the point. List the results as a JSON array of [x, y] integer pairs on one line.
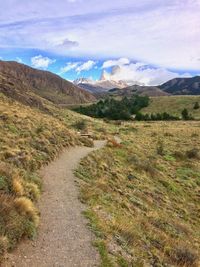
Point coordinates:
[[143, 195], [30, 138], [173, 105]]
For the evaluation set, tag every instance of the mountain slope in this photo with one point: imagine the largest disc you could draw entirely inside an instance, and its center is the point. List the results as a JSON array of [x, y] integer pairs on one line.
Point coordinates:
[[29, 85], [182, 86], [139, 90]]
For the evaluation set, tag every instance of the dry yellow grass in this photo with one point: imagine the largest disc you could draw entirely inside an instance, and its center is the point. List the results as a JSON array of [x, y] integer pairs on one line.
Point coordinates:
[[173, 105], [17, 186], [143, 196], [30, 138], [26, 208]]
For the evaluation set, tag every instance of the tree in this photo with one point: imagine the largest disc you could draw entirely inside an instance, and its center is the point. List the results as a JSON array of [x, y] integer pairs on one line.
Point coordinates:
[[185, 114], [196, 105]]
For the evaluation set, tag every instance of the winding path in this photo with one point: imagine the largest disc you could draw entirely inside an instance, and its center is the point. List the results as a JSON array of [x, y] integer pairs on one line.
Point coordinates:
[[64, 239]]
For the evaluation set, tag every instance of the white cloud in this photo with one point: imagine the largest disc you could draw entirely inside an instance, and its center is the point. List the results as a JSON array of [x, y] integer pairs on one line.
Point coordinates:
[[41, 62], [78, 66], [69, 66], [119, 62], [19, 60], [86, 66], [140, 73], [164, 33]]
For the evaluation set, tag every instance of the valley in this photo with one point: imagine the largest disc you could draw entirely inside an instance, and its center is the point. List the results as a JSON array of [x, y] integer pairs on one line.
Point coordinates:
[[140, 195]]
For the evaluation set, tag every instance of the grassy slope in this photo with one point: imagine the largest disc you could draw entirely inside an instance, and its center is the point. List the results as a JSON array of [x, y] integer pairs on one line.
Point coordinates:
[[173, 105], [30, 138], [143, 196]]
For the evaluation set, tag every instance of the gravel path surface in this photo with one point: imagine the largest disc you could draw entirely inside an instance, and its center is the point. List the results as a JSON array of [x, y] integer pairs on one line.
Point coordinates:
[[63, 239]]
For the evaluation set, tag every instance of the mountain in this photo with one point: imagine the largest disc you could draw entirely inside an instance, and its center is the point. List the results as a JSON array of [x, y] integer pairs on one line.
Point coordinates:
[[31, 86], [182, 86], [139, 90], [83, 81]]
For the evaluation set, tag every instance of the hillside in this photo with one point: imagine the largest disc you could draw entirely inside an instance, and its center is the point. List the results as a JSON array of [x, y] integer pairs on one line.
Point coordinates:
[[29, 86], [139, 90], [135, 191], [30, 138], [173, 105], [182, 86], [143, 195]]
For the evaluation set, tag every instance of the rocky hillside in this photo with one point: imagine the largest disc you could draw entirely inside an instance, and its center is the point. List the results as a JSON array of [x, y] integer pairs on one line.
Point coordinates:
[[182, 86], [31, 86]]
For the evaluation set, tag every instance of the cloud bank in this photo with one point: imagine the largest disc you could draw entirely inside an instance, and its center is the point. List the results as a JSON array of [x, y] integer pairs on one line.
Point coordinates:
[[163, 33], [137, 73]]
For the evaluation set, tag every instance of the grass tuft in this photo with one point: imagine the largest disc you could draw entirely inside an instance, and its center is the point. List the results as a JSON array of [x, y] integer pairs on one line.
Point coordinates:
[[26, 208]]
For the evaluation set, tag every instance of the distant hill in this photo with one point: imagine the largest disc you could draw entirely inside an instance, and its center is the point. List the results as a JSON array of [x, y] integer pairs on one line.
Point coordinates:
[[139, 90], [174, 105], [31, 86], [182, 86]]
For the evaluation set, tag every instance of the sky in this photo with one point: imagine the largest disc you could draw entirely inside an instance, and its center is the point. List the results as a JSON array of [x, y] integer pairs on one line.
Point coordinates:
[[146, 41]]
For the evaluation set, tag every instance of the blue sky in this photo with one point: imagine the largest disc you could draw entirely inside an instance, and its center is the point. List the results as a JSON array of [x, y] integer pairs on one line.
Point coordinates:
[[150, 41]]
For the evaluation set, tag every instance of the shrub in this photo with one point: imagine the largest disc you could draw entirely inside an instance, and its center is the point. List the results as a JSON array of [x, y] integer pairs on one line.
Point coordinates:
[[193, 153], [80, 125], [179, 155], [147, 166], [185, 115], [196, 105], [26, 208], [17, 186], [155, 117], [32, 191], [87, 141], [183, 256]]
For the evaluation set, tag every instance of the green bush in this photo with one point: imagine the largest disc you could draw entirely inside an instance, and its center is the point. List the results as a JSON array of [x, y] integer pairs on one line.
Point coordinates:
[[115, 109]]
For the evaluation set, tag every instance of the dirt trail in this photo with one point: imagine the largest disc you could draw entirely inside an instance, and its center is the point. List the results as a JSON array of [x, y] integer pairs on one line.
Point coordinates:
[[64, 239]]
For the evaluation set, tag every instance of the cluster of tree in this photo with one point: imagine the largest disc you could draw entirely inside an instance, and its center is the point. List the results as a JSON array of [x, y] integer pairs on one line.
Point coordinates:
[[163, 116], [115, 109], [156, 117], [123, 109]]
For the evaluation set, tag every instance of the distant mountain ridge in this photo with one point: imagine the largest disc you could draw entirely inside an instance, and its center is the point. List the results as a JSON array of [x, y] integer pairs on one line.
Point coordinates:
[[177, 86], [182, 86], [100, 86], [32, 86]]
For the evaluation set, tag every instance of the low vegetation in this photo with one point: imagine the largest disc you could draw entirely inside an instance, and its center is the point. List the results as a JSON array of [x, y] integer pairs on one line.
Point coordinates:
[[113, 109], [30, 138], [143, 195], [138, 108], [174, 105]]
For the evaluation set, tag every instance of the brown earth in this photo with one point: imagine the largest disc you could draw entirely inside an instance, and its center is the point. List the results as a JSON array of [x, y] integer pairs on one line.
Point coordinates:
[[31, 86]]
